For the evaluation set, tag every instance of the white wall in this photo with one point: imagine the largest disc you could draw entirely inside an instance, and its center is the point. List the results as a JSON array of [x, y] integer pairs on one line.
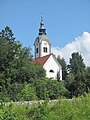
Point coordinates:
[[51, 64], [40, 46], [45, 44]]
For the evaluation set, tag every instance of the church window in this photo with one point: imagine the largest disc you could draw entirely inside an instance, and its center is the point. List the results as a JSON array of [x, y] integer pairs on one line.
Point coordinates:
[[52, 71], [44, 49], [36, 50]]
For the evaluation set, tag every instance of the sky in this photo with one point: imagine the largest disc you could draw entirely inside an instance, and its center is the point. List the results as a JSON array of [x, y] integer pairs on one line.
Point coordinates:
[[67, 24]]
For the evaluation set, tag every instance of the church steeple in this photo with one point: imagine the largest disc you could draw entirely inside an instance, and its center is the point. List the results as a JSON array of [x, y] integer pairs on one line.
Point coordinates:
[[42, 43], [42, 29]]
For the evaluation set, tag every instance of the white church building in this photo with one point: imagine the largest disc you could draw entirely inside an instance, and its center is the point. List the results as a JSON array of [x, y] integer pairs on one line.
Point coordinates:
[[43, 55]]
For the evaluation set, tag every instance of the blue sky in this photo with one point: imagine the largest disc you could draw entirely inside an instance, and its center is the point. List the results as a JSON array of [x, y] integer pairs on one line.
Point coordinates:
[[64, 19]]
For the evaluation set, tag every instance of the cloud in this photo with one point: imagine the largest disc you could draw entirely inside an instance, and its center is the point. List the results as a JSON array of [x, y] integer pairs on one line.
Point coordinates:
[[80, 44]]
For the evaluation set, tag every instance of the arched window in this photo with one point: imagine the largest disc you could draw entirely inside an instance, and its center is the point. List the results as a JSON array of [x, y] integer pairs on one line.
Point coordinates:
[[52, 71]]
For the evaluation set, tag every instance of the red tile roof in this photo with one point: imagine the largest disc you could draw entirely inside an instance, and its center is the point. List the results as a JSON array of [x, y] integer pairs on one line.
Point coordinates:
[[41, 60]]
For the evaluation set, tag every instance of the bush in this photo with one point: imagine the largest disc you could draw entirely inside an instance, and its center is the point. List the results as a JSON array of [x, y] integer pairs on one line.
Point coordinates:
[[28, 92], [50, 89], [6, 113]]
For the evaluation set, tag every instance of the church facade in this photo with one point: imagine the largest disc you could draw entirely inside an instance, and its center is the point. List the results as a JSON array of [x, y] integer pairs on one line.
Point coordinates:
[[43, 55]]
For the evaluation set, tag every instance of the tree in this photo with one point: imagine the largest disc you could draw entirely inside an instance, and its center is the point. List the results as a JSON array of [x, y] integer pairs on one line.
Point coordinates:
[[7, 34], [77, 65], [76, 68], [15, 64], [50, 89], [87, 78], [64, 67], [9, 52]]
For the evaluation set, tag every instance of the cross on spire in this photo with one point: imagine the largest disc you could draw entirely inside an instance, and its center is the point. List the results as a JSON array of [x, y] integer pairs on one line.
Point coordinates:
[[42, 29]]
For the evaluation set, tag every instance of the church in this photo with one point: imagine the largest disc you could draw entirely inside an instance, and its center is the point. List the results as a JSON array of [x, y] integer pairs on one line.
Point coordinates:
[[43, 55]]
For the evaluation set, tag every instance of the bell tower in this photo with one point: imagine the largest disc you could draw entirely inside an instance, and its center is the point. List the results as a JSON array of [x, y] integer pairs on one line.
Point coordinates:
[[42, 44]]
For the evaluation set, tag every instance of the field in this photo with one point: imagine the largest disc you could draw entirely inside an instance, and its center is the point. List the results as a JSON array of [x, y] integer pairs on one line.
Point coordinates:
[[64, 109]]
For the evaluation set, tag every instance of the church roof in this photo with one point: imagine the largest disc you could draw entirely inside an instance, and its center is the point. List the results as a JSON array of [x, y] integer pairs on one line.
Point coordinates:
[[42, 60], [41, 38]]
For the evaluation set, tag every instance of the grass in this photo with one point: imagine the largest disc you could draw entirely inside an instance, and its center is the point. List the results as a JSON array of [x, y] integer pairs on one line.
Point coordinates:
[[75, 109]]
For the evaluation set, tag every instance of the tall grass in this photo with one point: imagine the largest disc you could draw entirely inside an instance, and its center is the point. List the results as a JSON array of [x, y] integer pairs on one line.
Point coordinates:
[[64, 109], [75, 109]]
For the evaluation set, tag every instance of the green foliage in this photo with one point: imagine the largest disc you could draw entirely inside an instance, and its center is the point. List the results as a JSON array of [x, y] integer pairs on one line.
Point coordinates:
[[87, 77], [75, 82], [28, 92], [63, 109], [71, 109], [7, 34], [77, 65], [6, 113], [14, 91], [50, 89], [9, 115], [15, 66], [40, 111]]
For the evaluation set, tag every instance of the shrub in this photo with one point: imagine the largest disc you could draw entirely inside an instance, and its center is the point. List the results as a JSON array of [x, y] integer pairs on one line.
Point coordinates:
[[6, 113], [28, 92]]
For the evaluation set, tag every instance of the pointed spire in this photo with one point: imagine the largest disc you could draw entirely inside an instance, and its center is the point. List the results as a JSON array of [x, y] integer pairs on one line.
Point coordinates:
[[42, 23], [42, 29]]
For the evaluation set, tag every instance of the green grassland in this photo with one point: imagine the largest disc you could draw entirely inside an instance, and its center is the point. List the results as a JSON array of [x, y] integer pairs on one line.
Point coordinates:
[[64, 109]]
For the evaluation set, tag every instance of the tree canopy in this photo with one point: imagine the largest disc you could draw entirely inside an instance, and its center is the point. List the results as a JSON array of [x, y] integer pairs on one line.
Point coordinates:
[[15, 62], [76, 79], [21, 79]]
